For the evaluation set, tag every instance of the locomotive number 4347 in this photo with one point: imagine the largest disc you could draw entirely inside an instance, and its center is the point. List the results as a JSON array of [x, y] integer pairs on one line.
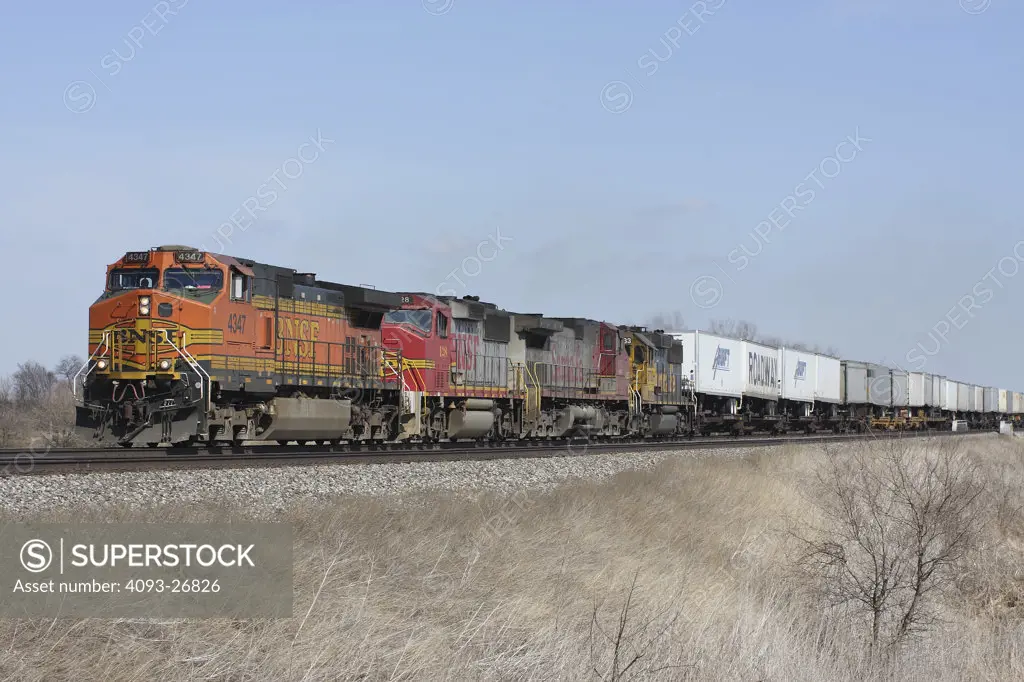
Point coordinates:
[[236, 323]]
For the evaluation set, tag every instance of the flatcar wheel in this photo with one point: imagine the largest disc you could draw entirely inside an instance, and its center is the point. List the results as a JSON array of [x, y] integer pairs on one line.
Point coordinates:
[[125, 445], [152, 445], [282, 442]]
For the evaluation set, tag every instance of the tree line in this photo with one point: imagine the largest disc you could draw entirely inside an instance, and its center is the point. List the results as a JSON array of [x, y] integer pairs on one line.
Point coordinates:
[[737, 329], [37, 405]]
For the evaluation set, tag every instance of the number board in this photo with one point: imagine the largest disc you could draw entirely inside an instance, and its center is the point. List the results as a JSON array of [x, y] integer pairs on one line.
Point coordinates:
[[136, 257], [406, 299], [188, 256]]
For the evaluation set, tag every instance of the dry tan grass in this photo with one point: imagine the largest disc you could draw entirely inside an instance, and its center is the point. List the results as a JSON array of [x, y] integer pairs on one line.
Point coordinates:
[[436, 588]]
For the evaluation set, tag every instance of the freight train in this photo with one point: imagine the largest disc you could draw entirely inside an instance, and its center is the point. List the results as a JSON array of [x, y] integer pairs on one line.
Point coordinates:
[[188, 347]]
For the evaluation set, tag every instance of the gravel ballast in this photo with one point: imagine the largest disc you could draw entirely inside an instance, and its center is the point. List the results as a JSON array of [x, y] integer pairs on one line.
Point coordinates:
[[273, 489]]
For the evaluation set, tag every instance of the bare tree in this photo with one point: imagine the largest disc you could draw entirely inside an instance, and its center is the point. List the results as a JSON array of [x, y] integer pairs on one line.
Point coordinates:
[[6, 390], [896, 524], [68, 367], [734, 329], [11, 418], [669, 322], [32, 383], [747, 331]]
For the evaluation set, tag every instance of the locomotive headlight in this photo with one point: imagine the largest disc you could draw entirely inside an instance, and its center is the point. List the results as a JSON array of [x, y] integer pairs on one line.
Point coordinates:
[[144, 300], [144, 310], [164, 365], [101, 364]]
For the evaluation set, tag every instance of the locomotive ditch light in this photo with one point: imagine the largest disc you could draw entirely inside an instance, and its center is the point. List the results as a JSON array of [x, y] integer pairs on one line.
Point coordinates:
[[101, 365], [164, 365]]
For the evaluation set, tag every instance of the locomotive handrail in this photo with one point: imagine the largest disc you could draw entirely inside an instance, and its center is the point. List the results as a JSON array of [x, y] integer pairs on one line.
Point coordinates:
[[74, 381], [639, 403], [386, 361], [534, 398], [204, 395]]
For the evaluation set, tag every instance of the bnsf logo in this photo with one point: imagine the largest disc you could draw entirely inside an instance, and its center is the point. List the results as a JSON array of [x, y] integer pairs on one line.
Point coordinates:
[[762, 370], [141, 335]]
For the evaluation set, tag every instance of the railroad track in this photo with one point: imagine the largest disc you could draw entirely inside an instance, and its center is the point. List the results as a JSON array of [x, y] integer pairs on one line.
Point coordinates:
[[14, 462]]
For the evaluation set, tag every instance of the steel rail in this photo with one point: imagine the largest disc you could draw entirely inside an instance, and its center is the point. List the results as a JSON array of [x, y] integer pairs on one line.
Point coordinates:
[[20, 462]]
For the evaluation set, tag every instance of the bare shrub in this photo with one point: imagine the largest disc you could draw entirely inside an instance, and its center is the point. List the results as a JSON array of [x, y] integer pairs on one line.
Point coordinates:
[[628, 642], [991, 584], [12, 425], [896, 524], [36, 411], [53, 417]]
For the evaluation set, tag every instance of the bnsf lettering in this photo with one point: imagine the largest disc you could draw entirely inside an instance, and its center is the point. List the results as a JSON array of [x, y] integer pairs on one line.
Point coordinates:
[[141, 335], [297, 338], [762, 370]]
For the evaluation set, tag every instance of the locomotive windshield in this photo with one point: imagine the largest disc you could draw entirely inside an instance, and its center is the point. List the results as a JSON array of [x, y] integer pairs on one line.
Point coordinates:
[[418, 318], [193, 281], [125, 279]]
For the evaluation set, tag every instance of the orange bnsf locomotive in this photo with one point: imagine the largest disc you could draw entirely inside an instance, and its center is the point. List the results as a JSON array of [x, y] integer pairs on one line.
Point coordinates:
[[186, 346]]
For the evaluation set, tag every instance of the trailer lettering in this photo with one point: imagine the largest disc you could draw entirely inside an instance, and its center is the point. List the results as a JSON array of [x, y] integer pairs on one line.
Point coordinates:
[[762, 370]]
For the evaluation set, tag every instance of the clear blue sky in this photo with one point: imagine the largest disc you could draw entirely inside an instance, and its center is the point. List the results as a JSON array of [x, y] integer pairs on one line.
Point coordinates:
[[448, 126]]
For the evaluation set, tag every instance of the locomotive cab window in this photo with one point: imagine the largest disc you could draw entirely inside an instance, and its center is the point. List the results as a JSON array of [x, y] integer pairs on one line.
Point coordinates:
[[442, 325], [239, 287], [135, 278], [203, 283], [417, 318]]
